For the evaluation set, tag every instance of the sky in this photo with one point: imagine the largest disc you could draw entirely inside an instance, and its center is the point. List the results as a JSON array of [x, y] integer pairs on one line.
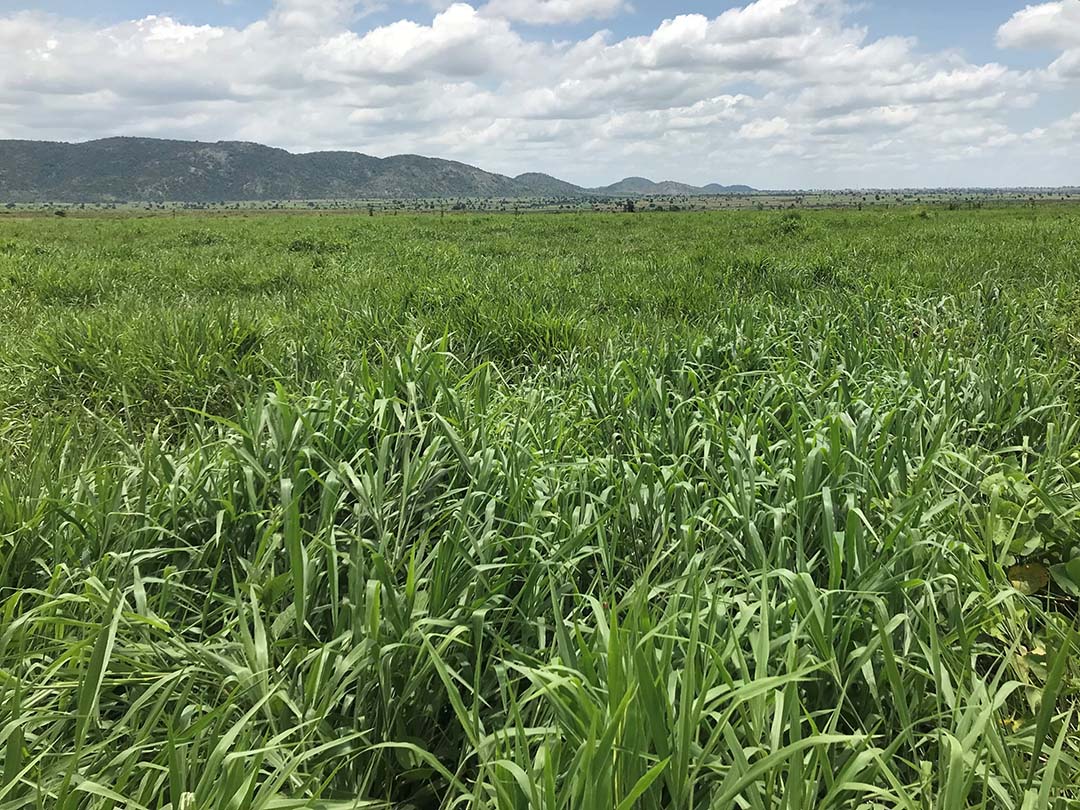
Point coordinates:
[[773, 93]]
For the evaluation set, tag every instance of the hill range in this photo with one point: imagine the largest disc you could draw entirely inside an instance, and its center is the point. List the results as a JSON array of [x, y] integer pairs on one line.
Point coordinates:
[[149, 169]]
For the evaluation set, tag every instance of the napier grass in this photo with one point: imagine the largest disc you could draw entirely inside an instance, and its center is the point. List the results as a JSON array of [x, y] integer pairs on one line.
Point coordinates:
[[732, 510]]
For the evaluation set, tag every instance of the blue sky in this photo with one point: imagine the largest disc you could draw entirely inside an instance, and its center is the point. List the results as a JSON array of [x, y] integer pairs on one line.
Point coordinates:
[[776, 93]]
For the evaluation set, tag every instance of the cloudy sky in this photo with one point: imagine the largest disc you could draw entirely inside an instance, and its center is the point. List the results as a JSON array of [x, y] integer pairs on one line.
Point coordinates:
[[775, 93]]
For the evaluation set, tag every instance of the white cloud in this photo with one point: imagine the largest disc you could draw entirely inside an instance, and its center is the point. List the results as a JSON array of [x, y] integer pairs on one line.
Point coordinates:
[[313, 15], [1048, 25], [554, 12], [459, 42], [1052, 26], [1059, 138], [1067, 67], [773, 92], [880, 118], [758, 130]]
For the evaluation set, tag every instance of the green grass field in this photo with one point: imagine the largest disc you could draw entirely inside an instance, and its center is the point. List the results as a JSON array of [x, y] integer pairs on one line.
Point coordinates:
[[731, 510]]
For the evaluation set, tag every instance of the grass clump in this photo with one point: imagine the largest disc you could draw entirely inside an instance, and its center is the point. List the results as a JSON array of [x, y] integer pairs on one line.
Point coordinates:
[[659, 534]]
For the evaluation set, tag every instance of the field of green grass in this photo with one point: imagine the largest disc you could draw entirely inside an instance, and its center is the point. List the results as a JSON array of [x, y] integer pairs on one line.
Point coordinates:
[[731, 510]]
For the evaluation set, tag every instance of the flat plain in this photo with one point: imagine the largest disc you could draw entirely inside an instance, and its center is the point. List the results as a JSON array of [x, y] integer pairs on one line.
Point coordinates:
[[732, 509]]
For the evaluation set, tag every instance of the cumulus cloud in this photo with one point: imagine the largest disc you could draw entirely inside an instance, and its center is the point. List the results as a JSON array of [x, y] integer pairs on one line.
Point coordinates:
[[1052, 26], [773, 92], [459, 42], [1048, 25]]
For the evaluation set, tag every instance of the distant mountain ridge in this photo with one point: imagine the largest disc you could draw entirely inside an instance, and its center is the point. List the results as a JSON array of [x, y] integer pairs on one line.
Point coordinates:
[[154, 170], [668, 188]]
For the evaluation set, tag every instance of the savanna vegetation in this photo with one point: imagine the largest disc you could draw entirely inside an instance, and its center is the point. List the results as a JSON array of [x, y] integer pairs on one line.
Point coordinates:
[[731, 510]]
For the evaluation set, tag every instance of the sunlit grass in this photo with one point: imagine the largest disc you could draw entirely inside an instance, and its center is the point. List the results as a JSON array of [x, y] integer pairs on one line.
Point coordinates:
[[613, 512]]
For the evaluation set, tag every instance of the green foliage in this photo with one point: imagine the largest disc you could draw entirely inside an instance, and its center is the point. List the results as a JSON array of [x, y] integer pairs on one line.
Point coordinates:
[[655, 512]]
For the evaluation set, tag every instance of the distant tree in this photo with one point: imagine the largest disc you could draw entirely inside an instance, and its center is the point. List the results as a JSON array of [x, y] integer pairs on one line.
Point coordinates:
[[629, 207]]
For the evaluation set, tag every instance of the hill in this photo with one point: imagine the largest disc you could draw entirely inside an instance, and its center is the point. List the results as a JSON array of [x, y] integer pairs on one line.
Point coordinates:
[[643, 187], [148, 169], [716, 188], [544, 185]]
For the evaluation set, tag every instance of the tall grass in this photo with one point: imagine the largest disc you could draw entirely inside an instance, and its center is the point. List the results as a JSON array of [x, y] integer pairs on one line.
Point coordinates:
[[733, 528]]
